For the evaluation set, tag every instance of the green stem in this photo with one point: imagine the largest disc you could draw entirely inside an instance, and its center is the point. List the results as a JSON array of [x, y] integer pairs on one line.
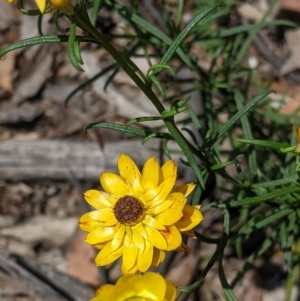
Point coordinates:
[[187, 290], [169, 122]]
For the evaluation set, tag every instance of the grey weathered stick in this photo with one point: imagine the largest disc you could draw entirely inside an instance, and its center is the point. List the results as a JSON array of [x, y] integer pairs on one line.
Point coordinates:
[[55, 159]]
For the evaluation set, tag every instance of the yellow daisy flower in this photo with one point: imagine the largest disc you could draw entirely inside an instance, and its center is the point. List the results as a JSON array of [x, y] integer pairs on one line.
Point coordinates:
[[147, 287], [297, 134], [139, 215], [63, 5]]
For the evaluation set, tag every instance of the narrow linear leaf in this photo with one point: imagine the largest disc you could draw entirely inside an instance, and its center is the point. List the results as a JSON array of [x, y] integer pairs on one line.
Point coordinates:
[[248, 28], [264, 143], [147, 134], [241, 113], [179, 39], [157, 83], [266, 221], [240, 100], [275, 183], [71, 49], [262, 198], [225, 286], [142, 119], [157, 66], [90, 81], [33, 41], [118, 127]]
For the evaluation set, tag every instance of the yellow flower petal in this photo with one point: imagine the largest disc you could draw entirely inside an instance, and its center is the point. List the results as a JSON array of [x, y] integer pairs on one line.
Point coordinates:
[[139, 239], [68, 10], [41, 4], [169, 169], [88, 223], [9, 1], [118, 238], [58, 4], [139, 227], [98, 199], [159, 194], [178, 199], [114, 184], [130, 253], [297, 148], [100, 235], [158, 257], [124, 271], [104, 292], [100, 246], [106, 256], [151, 285], [171, 292], [153, 222], [102, 215], [145, 257], [192, 216], [172, 236], [156, 238], [128, 236], [189, 233], [131, 174], [153, 210], [185, 189], [297, 133], [150, 174], [169, 217], [182, 248]]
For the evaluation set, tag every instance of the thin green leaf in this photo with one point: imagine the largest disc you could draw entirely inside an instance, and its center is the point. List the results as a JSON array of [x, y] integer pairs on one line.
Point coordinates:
[[72, 48], [264, 143], [240, 100], [90, 81], [96, 8], [157, 83], [275, 183], [248, 28], [142, 119], [33, 41], [241, 113], [207, 240], [266, 221], [119, 127], [157, 66], [165, 149], [251, 201], [191, 134], [179, 39], [225, 286]]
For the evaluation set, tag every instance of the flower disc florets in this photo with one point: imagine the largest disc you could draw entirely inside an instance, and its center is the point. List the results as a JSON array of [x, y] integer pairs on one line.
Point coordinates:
[[139, 215], [129, 210]]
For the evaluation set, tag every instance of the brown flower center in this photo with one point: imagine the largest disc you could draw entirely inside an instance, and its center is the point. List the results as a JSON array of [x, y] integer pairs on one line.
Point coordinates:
[[129, 210]]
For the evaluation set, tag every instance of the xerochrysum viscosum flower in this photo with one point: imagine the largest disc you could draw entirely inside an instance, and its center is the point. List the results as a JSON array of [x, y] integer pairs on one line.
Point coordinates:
[[147, 287], [53, 5], [140, 215], [297, 134]]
